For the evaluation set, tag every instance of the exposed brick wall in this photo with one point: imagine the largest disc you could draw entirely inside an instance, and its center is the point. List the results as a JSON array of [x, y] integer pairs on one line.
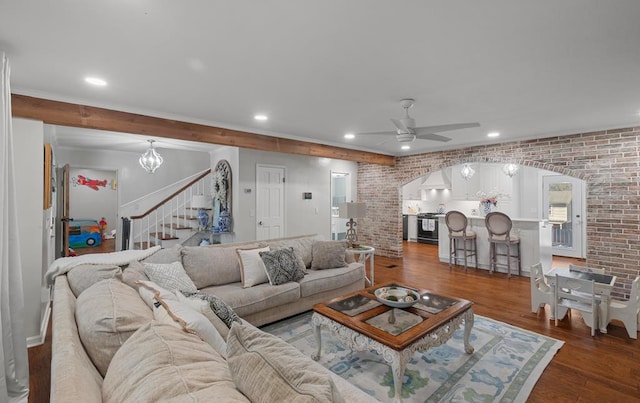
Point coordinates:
[[609, 162]]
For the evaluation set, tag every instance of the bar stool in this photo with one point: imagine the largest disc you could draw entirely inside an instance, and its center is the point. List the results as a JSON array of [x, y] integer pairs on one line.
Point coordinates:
[[499, 228], [457, 225]]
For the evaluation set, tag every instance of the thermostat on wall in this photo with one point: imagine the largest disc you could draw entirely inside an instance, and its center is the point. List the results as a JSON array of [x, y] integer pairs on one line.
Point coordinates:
[[306, 195]]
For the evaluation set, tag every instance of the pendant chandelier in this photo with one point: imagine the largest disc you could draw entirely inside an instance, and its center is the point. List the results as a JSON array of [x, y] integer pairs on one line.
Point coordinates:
[[467, 172], [150, 160], [510, 169]]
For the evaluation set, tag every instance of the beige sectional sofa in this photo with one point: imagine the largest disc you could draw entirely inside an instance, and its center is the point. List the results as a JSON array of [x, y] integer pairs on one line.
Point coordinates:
[[109, 345]]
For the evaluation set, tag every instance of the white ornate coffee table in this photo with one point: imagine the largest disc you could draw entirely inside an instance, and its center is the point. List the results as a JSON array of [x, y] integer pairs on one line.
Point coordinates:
[[361, 323]]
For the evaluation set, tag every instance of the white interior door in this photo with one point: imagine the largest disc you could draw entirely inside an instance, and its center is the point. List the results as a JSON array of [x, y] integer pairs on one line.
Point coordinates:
[[563, 206], [340, 193], [270, 202]]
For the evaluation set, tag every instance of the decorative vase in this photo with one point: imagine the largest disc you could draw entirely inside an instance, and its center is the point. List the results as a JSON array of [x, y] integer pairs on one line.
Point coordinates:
[[486, 208], [224, 221]]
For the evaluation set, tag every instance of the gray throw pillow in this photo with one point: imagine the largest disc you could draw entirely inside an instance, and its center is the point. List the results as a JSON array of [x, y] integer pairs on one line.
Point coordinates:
[[170, 276], [328, 254], [84, 276], [282, 266], [218, 306]]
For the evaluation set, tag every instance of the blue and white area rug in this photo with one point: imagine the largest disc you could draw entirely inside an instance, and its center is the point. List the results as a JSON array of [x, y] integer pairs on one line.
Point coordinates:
[[505, 366]]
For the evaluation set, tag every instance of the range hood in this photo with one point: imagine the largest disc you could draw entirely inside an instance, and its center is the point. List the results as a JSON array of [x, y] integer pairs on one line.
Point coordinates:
[[435, 180]]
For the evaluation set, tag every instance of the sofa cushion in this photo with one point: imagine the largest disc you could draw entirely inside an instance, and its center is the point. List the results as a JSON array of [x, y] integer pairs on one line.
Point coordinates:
[[134, 272], [108, 313], [328, 254], [170, 276], [268, 369], [220, 308], [324, 280], [84, 276], [245, 301], [163, 363], [282, 266], [175, 313], [252, 269], [212, 265], [301, 246], [166, 255]]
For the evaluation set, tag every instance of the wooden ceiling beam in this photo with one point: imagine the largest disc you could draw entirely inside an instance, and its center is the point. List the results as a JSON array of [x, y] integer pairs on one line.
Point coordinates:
[[75, 115]]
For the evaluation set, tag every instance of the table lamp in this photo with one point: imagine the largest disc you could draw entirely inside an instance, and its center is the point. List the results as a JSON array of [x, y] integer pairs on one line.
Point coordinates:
[[202, 203], [352, 210]]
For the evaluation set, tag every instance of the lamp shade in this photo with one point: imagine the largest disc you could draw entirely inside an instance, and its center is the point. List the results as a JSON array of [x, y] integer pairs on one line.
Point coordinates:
[[201, 201], [352, 210]]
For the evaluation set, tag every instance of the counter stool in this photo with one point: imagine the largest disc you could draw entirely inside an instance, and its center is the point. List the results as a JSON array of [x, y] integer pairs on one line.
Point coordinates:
[[457, 225], [499, 228]]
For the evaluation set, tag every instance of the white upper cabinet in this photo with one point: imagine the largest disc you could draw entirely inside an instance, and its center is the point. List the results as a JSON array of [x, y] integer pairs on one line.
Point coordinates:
[[412, 190]]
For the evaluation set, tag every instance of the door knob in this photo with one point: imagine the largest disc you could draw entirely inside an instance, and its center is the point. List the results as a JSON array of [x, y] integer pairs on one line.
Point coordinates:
[[259, 222]]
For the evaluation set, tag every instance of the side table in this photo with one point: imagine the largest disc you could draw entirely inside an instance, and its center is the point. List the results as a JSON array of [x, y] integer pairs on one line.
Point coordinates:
[[365, 253]]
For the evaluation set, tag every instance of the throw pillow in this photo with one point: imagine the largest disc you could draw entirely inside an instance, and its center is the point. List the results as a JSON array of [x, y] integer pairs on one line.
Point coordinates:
[[163, 364], [107, 314], [282, 266], [132, 273], [165, 255], [252, 268], [148, 291], [84, 276], [328, 254], [177, 314], [218, 306], [170, 276], [203, 306], [268, 369]]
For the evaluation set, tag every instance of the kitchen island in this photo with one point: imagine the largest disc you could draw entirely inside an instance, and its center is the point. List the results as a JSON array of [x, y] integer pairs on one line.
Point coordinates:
[[535, 242]]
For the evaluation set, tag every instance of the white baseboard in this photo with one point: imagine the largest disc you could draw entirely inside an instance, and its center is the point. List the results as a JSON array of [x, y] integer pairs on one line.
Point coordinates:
[[34, 341]]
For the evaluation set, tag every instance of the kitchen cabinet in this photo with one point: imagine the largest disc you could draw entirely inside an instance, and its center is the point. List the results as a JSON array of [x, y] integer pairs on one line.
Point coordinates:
[[412, 190], [412, 228]]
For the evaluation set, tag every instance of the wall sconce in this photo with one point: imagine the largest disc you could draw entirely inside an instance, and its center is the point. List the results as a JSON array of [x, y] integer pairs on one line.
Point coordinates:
[[150, 160], [510, 169], [467, 172]]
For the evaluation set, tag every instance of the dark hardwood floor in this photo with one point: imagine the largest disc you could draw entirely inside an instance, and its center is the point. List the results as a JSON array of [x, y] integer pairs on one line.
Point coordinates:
[[604, 368]]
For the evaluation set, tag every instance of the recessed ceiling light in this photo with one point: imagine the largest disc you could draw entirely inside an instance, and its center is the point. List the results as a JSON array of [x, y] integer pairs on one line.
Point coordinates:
[[261, 118], [406, 147], [95, 81], [349, 136], [493, 134]]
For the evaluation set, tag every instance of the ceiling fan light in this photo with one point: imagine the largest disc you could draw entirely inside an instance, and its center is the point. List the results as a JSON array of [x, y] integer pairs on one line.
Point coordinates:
[[150, 160]]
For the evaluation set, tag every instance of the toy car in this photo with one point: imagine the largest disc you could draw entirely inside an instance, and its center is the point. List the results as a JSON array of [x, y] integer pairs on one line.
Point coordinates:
[[84, 234]]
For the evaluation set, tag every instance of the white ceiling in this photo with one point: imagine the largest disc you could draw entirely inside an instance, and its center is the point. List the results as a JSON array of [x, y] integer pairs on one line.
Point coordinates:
[[320, 69]]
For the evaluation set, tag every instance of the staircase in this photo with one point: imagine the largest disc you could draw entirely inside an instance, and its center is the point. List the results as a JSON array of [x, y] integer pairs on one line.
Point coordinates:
[[171, 221]]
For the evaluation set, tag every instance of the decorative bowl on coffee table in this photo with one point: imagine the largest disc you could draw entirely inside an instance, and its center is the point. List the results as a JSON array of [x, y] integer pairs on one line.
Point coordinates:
[[397, 297]]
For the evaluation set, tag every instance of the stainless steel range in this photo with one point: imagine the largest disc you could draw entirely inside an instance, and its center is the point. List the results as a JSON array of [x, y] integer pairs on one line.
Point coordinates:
[[428, 228]]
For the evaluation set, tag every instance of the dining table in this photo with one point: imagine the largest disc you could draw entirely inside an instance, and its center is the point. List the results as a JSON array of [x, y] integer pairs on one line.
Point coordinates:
[[603, 284]]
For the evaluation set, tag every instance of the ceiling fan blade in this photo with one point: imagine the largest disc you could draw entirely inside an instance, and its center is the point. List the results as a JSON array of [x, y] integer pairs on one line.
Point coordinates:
[[444, 128], [375, 133], [400, 125], [431, 136]]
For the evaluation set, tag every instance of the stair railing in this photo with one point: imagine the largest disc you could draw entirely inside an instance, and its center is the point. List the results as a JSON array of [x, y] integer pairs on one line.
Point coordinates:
[[162, 221]]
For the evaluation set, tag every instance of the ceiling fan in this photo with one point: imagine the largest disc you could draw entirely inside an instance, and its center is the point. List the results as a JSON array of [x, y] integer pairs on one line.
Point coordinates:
[[406, 130]]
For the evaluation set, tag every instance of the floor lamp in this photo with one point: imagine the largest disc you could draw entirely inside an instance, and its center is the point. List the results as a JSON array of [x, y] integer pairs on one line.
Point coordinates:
[[352, 210]]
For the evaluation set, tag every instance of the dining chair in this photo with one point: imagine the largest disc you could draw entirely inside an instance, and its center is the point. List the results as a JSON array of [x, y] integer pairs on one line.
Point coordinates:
[[585, 269], [574, 293], [499, 228], [627, 311], [457, 224]]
